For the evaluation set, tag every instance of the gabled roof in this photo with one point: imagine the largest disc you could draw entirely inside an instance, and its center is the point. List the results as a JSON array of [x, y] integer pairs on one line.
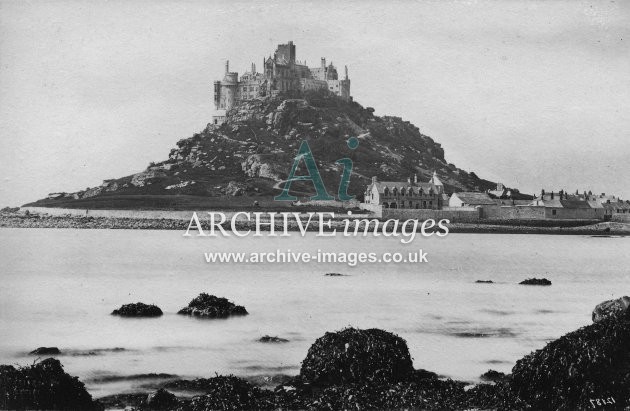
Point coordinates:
[[435, 180], [474, 198]]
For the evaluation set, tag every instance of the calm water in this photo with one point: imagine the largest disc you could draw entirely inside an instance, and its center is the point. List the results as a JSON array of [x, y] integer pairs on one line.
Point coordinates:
[[59, 286]]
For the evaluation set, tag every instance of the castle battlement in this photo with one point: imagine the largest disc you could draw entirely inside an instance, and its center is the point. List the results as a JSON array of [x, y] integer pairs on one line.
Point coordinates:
[[281, 73]]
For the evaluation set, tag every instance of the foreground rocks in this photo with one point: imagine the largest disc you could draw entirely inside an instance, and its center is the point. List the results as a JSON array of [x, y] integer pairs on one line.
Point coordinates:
[[372, 369], [210, 306], [138, 310], [611, 308], [588, 364], [43, 385], [535, 281]]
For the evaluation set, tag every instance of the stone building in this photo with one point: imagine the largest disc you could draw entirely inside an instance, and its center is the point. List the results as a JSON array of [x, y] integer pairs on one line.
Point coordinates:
[[563, 206], [410, 194], [281, 73]]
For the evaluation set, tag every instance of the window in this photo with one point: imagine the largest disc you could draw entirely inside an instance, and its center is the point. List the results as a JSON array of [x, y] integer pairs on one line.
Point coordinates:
[[553, 212]]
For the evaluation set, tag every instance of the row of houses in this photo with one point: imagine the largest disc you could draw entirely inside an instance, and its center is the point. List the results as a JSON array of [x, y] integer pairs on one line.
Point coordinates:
[[401, 198]]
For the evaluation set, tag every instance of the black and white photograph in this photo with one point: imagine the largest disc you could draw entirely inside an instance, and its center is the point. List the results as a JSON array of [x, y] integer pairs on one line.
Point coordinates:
[[314, 205]]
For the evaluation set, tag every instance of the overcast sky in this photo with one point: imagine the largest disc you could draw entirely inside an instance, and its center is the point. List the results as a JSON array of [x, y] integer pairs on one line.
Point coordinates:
[[533, 94]]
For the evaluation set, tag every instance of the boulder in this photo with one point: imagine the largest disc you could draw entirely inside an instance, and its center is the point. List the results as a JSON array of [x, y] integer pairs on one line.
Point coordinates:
[[210, 306], [535, 281], [45, 351], [43, 386], [611, 308], [235, 188], [591, 363], [354, 355], [138, 310], [161, 400]]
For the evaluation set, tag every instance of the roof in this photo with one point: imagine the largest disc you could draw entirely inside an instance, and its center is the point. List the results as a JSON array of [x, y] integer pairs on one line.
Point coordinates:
[[573, 203], [435, 180], [558, 201], [474, 198], [381, 185]]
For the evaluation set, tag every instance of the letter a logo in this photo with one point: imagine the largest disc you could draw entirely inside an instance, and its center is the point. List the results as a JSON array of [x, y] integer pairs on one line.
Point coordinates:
[[313, 175]]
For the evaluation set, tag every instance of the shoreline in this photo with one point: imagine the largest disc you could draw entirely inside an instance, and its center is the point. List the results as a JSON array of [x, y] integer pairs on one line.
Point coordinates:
[[19, 220]]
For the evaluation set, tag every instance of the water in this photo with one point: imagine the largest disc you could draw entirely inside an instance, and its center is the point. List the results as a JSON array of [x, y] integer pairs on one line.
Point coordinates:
[[59, 286]]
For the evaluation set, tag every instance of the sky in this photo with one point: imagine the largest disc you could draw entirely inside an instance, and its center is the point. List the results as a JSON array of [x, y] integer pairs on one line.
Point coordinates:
[[534, 94]]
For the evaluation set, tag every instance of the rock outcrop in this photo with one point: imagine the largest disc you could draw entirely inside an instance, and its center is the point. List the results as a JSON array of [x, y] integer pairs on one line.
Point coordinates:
[[45, 351], [272, 339], [210, 306], [138, 310], [535, 281]]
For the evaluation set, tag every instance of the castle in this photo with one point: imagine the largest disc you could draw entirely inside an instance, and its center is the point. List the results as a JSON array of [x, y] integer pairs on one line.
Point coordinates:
[[281, 73]]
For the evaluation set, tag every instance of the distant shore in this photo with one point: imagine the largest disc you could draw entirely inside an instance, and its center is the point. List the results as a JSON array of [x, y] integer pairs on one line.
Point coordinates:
[[20, 220]]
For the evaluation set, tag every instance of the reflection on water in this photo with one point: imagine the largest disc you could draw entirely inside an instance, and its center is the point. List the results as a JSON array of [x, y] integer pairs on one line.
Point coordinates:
[[59, 287]]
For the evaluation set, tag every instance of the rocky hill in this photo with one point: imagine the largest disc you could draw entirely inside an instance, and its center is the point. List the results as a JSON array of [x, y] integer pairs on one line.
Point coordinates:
[[252, 153]]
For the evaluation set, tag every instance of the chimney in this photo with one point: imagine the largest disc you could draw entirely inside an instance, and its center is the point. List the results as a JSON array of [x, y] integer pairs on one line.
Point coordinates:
[[323, 62], [346, 72], [374, 179], [552, 195], [415, 178], [409, 180], [227, 66]]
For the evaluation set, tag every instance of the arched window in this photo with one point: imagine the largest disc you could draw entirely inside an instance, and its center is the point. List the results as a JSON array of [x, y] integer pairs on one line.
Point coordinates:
[[402, 191], [386, 191], [395, 191], [420, 192]]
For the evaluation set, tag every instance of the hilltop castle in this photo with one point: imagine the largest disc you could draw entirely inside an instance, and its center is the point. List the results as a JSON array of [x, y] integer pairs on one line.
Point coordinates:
[[281, 73]]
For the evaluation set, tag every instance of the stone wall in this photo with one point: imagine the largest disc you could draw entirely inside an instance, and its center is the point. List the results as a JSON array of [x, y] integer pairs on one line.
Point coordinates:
[[454, 216], [620, 218]]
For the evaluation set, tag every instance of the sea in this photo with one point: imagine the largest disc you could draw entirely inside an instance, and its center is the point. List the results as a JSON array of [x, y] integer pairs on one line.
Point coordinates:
[[59, 286]]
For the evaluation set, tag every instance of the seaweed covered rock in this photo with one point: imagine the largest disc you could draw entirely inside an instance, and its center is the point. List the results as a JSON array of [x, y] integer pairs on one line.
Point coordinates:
[[535, 281], [161, 400], [354, 355], [210, 306], [590, 363], [43, 385], [228, 393], [138, 310], [611, 308], [45, 351], [272, 339]]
